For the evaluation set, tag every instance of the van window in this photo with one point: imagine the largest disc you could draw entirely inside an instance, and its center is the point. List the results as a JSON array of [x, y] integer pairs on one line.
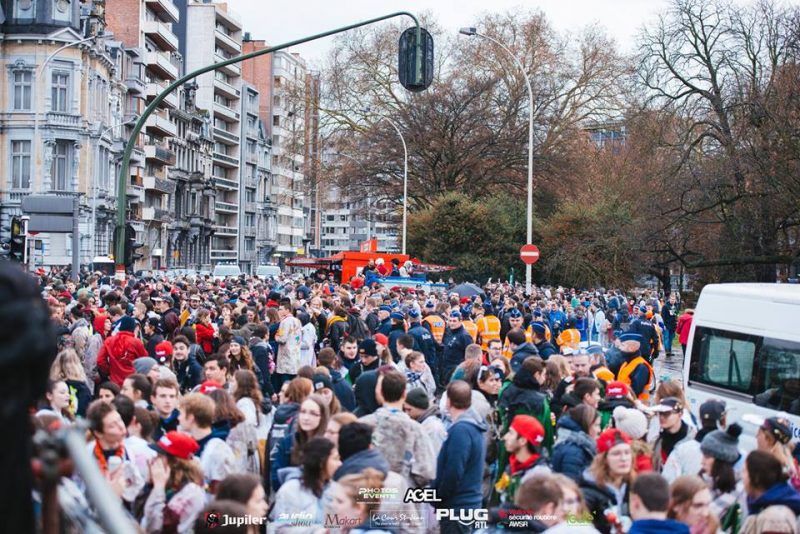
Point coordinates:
[[724, 359], [779, 374]]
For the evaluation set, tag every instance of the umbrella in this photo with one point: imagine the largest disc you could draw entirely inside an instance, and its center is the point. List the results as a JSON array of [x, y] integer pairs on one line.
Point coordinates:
[[468, 289]]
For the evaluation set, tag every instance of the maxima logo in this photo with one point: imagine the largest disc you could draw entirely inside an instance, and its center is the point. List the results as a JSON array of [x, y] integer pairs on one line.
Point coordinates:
[[477, 518]]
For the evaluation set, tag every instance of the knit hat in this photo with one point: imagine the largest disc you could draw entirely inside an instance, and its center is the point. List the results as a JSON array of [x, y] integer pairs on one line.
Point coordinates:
[[176, 444], [529, 428], [631, 421], [610, 438], [368, 348], [240, 340], [418, 399], [144, 365], [127, 324], [616, 389], [722, 445], [778, 427], [382, 339]]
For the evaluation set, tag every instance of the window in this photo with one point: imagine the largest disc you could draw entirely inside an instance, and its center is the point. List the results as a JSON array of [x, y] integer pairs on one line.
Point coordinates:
[[22, 90], [59, 169], [20, 164], [249, 195], [60, 91], [724, 359], [250, 219], [249, 244], [778, 376]]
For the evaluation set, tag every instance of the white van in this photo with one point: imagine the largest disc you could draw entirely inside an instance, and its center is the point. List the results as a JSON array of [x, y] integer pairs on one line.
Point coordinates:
[[268, 271], [744, 348], [224, 270]]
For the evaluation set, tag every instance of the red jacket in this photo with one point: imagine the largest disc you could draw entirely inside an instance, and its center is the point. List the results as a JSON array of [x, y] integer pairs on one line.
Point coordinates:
[[683, 328], [116, 356], [205, 337]]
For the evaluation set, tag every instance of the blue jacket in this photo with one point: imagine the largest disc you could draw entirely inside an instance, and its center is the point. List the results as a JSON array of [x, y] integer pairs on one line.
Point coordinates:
[[260, 351], [360, 461], [189, 373], [658, 526], [455, 345], [459, 467], [281, 458], [423, 342], [394, 334], [574, 449], [385, 327], [520, 353], [779, 494]]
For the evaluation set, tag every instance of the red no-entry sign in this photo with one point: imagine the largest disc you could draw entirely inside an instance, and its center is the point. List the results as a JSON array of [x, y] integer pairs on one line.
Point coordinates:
[[529, 254]]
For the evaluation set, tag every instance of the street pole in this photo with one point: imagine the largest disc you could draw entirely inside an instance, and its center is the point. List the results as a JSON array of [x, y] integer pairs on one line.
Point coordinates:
[[76, 237], [122, 182], [471, 32]]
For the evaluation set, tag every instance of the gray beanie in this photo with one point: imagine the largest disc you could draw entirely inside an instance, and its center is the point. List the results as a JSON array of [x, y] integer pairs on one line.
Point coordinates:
[[722, 445], [631, 421], [144, 365]]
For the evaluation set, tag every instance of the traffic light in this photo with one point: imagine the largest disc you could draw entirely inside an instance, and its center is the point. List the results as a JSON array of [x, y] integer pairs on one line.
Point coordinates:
[[17, 244], [412, 57], [131, 246]]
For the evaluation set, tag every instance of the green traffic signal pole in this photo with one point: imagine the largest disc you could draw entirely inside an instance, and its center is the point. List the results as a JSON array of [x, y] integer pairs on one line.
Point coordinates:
[[122, 182]]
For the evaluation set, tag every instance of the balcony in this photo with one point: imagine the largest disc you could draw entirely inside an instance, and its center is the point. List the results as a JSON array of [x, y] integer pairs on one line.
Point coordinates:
[[154, 183], [161, 35], [230, 70], [224, 183], [58, 119], [250, 230], [134, 84], [225, 112], [228, 43], [226, 89], [135, 193], [160, 127], [220, 230], [226, 161], [251, 207], [152, 90], [225, 136], [228, 19], [226, 207], [155, 214], [161, 65], [220, 254], [159, 153], [165, 9]]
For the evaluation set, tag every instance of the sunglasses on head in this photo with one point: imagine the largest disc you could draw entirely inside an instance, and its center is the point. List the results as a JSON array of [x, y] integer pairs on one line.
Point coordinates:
[[491, 368]]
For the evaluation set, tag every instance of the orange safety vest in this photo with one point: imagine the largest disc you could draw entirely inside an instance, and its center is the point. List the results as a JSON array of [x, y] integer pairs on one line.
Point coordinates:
[[570, 337], [624, 375], [471, 328], [507, 352], [488, 329], [603, 373], [436, 326]]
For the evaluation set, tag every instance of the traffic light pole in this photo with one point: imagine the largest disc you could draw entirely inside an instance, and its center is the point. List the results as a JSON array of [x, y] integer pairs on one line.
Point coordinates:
[[122, 182]]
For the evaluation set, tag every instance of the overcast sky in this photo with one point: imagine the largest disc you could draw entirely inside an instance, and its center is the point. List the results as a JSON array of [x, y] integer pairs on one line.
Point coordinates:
[[278, 22]]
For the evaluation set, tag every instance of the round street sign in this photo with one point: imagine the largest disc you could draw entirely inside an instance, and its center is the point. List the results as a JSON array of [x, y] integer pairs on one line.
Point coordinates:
[[529, 254]]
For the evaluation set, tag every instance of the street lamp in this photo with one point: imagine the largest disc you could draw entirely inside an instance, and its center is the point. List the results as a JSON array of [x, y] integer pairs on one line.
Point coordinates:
[[474, 32], [405, 174]]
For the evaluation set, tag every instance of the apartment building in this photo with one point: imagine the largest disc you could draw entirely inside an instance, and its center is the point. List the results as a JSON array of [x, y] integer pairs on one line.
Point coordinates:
[[211, 34], [192, 202], [64, 110], [146, 25]]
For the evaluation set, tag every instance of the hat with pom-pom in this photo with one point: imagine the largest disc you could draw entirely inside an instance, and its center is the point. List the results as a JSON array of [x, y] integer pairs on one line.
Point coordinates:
[[722, 444], [631, 421]]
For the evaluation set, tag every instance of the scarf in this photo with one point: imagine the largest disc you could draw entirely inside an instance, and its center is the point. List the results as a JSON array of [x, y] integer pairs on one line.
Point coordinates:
[[517, 466], [412, 377], [101, 457]]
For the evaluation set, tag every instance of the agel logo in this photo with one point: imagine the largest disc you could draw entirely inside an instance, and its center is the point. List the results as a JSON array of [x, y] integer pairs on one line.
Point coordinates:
[[418, 495]]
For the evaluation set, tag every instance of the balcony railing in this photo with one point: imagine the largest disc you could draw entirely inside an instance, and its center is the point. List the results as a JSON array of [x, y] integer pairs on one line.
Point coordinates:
[[161, 34], [159, 153], [226, 135], [225, 111], [63, 120], [152, 90], [154, 183], [161, 64], [225, 230], [162, 127], [226, 207], [230, 70], [155, 214], [227, 42], [220, 254], [226, 89], [225, 183], [225, 159], [165, 9]]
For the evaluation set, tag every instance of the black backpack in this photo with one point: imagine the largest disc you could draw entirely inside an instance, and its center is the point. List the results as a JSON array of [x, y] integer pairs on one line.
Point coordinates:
[[357, 328]]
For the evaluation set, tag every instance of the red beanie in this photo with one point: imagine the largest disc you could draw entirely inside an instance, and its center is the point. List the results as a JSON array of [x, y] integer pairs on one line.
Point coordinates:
[[529, 428], [616, 389], [611, 437]]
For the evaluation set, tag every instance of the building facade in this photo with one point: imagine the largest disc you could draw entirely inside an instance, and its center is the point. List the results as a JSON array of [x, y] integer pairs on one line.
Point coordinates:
[[192, 200], [63, 114]]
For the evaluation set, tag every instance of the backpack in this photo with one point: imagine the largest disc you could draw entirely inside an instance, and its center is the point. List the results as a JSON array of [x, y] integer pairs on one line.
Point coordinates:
[[243, 441], [357, 328]]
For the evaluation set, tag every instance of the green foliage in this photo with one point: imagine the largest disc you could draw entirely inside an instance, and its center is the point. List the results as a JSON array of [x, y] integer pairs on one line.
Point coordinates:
[[480, 237]]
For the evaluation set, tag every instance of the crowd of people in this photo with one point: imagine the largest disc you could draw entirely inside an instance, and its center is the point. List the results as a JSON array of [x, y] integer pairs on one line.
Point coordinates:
[[308, 406]]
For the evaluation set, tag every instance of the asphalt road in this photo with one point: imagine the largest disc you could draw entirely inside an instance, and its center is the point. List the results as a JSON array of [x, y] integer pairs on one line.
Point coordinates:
[[669, 366]]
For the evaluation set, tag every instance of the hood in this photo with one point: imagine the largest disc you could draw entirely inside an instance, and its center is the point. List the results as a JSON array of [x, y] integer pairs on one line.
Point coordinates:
[[221, 429], [526, 349], [284, 412], [78, 324], [660, 526], [433, 411], [610, 404], [336, 376], [364, 391], [524, 379], [360, 461], [288, 473], [471, 417], [779, 494], [569, 431]]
